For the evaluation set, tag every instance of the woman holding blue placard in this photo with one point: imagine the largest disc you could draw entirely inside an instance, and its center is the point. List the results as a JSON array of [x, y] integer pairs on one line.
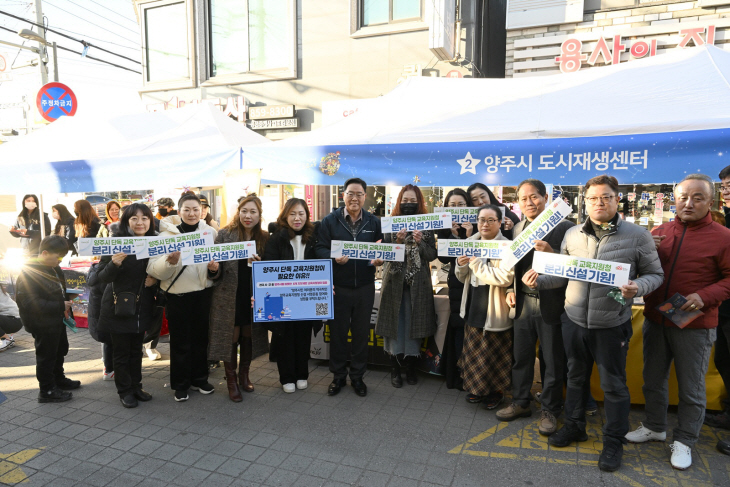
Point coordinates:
[[127, 281], [407, 314], [188, 302], [230, 313], [294, 240]]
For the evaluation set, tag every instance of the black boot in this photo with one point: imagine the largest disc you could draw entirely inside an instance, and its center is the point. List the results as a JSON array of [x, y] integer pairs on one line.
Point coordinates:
[[411, 377], [395, 379]]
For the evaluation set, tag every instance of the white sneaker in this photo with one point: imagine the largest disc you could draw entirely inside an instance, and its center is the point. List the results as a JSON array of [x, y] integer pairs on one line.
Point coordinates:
[[153, 354], [289, 388], [643, 434], [681, 456], [5, 344], [109, 375], [301, 384]]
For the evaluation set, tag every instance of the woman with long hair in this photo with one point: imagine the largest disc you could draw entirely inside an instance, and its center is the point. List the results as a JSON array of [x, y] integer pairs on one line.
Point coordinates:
[[28, 226], [126, 274], [87, 222], [407, 314], [113, 211], [230, 313], [64, 225], [454, 339], [480, 195], [294, 240]]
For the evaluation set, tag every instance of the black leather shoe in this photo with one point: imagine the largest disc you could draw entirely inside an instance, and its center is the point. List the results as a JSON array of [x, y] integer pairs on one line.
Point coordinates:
[[129, 401], [335, 387], [142, 395], [360, 388], [610, 459], [723, 447], [54, 395], [67, 384], [567, 435]]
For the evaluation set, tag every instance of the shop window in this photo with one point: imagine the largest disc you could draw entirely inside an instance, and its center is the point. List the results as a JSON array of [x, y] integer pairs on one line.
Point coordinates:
[[594, 5], [376, 17], [167, 41], [251, 40]]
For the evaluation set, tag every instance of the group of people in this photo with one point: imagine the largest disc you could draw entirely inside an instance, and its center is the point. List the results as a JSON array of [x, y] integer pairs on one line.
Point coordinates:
[[498, 314]]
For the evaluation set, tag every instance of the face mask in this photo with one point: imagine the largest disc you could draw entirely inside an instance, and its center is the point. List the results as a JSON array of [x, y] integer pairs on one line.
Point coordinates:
[[408, 208], [31, 206], [163, 211]]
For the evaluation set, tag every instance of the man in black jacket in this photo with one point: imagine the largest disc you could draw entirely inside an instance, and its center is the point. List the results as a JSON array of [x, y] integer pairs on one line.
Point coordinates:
[[43, 304], [354, 282], [537, 316]]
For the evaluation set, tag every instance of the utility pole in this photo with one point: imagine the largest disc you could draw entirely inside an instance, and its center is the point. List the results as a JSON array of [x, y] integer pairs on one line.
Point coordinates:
[[41, 46]]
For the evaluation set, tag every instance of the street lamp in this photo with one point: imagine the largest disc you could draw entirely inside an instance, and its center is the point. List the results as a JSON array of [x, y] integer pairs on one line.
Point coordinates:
[[34, 36]]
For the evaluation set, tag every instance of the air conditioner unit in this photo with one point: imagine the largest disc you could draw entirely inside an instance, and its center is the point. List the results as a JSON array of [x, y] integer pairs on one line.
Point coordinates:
[[442, 29]]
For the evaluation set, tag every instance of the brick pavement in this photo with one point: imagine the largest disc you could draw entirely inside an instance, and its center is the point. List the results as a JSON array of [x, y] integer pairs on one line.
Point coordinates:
[[420, 435]]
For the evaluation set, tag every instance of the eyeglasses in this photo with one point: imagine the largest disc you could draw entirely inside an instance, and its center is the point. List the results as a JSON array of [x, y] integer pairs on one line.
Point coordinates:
[[592, 200], [487, 221], [724, 188], [354, 195]]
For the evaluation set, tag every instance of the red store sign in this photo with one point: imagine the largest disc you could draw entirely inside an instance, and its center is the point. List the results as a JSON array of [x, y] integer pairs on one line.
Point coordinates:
[[571, 58]]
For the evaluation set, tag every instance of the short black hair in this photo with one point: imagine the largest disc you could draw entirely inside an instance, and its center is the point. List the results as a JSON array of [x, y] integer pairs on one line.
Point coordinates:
[[536, 183], [189, 196], [356, 181], [609, 181], [725, 172], [54, 244], [494, 208]]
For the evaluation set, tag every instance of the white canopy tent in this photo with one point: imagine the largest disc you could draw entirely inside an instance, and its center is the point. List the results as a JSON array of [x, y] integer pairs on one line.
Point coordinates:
[[187, 146], [664, 115]]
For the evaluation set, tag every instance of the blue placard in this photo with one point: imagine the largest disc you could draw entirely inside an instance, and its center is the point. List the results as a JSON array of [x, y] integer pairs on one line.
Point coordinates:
[[292, 290]]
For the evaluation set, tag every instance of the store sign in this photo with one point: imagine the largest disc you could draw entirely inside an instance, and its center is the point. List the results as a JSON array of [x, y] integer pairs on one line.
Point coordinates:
[[282, 123], [571, 55], [273, 111]]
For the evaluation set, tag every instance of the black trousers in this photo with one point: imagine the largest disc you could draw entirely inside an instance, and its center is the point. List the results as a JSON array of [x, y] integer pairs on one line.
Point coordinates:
[[127, 349], [50, 350], [9, 325], [292, 351], [353, 308], [608, 348], [722, 354], [188, 317]]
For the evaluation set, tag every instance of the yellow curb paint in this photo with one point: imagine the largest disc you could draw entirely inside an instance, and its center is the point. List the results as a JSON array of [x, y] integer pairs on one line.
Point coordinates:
[[10, 471]]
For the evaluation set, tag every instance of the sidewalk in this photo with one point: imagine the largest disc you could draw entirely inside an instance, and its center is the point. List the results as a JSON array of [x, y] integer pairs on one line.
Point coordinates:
[[423, 435]]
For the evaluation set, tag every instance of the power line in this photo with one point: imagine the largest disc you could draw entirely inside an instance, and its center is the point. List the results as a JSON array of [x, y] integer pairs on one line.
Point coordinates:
[[87, 21], [72, 38], [105, 18], [138, 48], [114, 11]]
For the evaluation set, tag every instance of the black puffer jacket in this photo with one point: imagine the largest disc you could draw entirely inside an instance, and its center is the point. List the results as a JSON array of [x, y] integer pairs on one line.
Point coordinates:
[[96, 291], [128, 277], [40, 294]]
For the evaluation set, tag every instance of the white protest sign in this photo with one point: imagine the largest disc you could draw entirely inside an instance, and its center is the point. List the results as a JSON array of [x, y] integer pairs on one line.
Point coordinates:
[[429, 221], [463, 214], [589, 270], [368, 250], [553, 214], [172, 243], [492, 249], [110, 246], [218, 253]]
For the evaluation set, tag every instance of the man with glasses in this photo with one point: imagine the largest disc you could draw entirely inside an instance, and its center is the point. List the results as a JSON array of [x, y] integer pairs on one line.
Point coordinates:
[[596, 326], [354, 282], [695, 257], [537, 316]]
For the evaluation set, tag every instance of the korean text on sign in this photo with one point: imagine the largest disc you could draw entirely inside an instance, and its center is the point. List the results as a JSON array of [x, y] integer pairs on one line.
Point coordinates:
[[488, 249], [157, 246], [538, 229], [582, 161], [218, 253], [429, 221], [460, 215], [367, 251], [91, 247], [589, 270]]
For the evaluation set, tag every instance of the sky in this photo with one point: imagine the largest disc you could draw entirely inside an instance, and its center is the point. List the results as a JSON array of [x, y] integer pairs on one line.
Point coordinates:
[[99, 87]]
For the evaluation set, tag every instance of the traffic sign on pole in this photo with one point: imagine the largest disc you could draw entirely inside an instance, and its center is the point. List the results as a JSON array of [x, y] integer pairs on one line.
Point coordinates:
[[56, 100]]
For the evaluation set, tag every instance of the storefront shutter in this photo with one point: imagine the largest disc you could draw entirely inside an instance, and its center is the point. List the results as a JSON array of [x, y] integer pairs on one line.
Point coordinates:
[[537, 13]]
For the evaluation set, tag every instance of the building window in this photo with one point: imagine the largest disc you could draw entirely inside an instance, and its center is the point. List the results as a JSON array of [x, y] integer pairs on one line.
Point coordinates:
[[376, 12], [167, 39], [250, 38], [594, 5]]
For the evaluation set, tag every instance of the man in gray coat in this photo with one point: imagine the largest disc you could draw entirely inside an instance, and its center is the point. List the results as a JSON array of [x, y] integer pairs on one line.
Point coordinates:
[[596, 326]]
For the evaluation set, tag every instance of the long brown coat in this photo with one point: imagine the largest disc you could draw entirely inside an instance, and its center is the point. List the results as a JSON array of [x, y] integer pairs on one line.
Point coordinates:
[[423, 312], [223, 309]]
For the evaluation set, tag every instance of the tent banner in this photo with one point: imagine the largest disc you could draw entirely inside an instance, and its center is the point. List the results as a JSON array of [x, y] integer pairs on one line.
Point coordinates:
[[640, 158]]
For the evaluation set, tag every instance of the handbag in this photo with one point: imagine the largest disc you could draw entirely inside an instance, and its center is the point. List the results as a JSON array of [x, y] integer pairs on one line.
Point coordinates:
[[125, 304], [161, 296]]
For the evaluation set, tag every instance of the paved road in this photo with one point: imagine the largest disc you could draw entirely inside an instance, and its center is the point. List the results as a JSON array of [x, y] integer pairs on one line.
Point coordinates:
[[424, 435]]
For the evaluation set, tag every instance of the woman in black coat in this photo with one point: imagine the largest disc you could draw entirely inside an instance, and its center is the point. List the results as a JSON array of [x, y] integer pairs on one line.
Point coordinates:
[[64, 225], [294, 240], [126, 274], [480, 195]]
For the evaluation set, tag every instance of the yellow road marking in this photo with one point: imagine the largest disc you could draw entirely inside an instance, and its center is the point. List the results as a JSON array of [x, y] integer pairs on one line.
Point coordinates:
[[10, 471]]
